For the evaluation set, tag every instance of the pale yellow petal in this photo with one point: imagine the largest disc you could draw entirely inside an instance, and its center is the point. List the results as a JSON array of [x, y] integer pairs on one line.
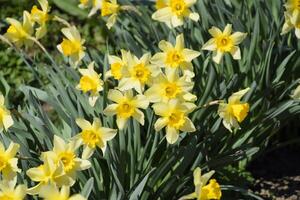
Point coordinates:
[[188, 126], [228, 29], [236, 53], [160, 123], [217, 57], [189, 54], [87, 152], [179, 42], [139, 116], [121, 122], [238, 37], [236, 97], [12, 150], [215, 32], [108, 133], [83, 124], [172, 135], [111, 109]]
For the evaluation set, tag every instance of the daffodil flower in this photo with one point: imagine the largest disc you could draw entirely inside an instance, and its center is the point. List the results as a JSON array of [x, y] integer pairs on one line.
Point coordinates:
[[41, 17], [51, 192], [174, 12], [72, 45], [47, 173], [170, 86], [292, 22], [126, 105], [6, 120], [118, 66], [66, 154], [8, 161], [224, 42], [110, 8], [138, 74], [175, 57], [93, 135], [18, 33], [91, 82], [10, 191], [235, 111], [203, 189], [173, 116]]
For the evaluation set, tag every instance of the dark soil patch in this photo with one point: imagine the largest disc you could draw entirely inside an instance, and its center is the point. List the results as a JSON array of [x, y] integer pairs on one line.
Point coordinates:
[[277, 174]]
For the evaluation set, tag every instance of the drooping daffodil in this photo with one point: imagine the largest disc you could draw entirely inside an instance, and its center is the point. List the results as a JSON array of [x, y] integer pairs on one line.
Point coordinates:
[[235, 111], [205, 189]]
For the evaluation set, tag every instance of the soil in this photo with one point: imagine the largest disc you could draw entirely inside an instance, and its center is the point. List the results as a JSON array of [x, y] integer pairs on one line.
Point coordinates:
[[277, 174]]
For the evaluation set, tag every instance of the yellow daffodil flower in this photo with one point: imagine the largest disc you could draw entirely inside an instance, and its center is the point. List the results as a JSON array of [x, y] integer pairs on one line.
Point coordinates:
[[6, 120], [110, 8], [40, 17], [8, 161], [72, 45], [173, 12], [291, 22], [174, 118], [18, 33], [223, 42], [47, 173], [9, 190], [66, 154], [235, 111], [93, 135], [174, 57], [139, 73], [51, 192], [170, 86], [118, 66], [204, 191], [91, 82], [126, 105]]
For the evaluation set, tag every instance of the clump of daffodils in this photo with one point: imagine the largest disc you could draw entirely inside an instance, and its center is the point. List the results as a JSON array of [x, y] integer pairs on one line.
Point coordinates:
[[224, 42], [174, 12], [108, 8], [205, 188], [22, 33], [164, 79], [292, 18]]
